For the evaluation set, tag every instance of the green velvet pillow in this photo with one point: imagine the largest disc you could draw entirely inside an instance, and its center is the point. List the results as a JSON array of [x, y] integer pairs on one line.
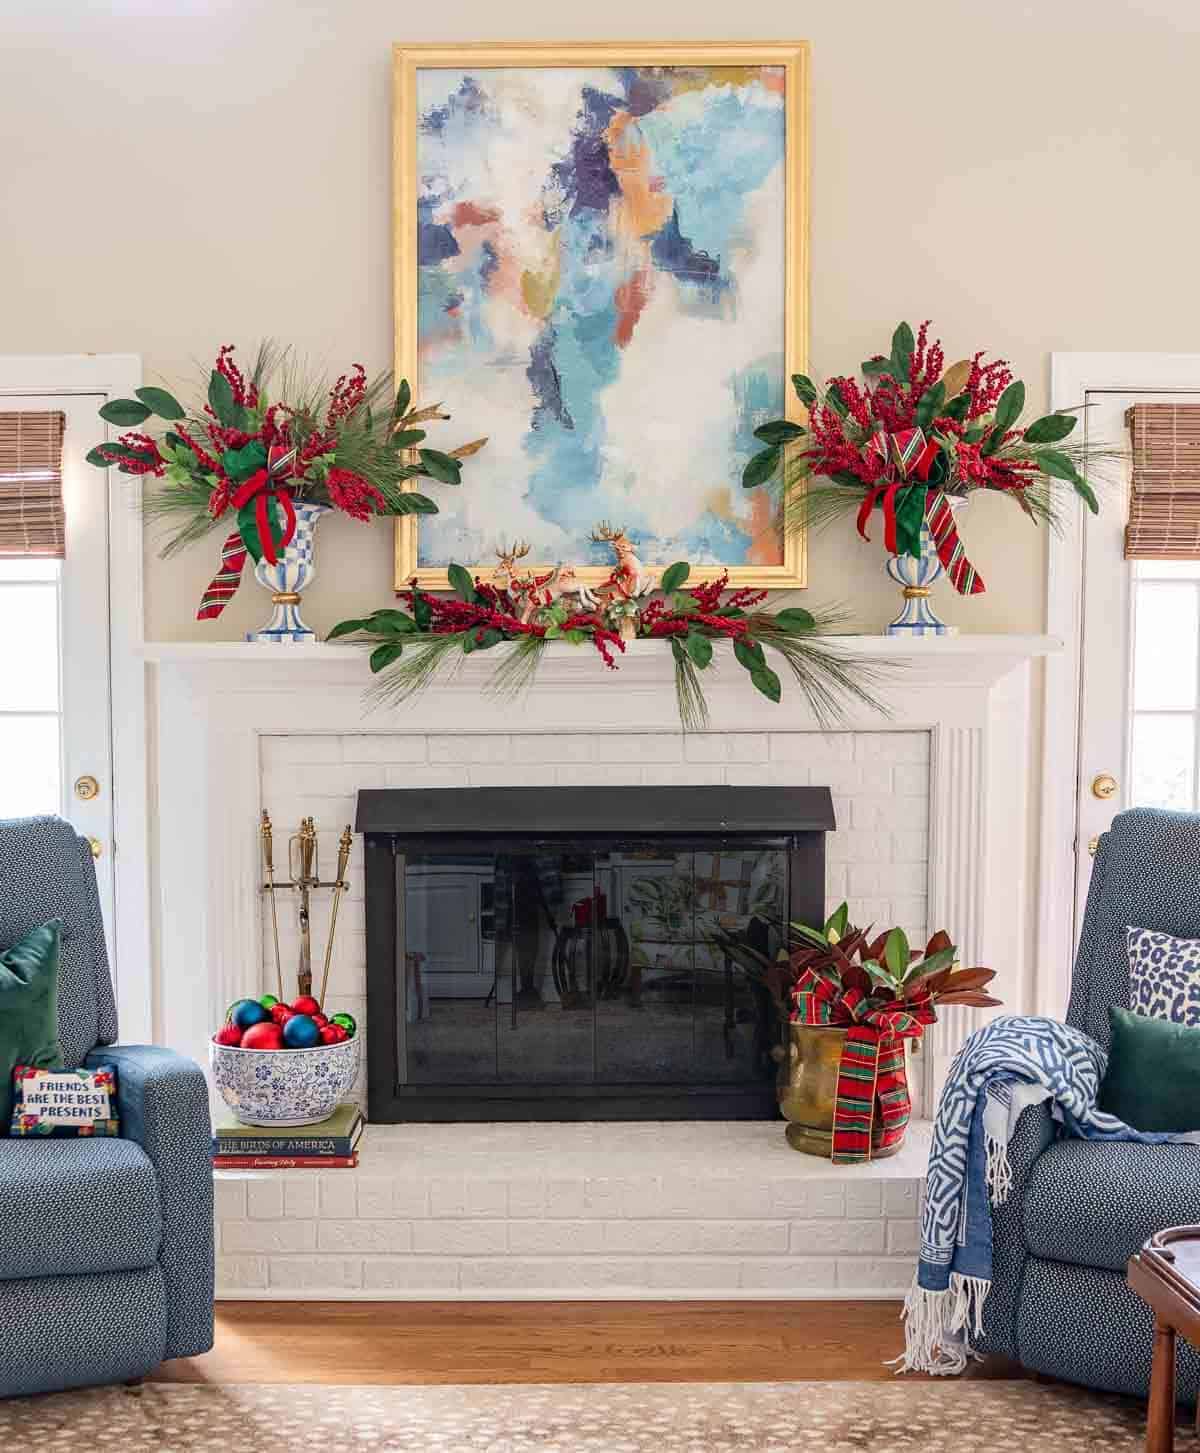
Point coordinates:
[[1153, 1076], [28, 1008]]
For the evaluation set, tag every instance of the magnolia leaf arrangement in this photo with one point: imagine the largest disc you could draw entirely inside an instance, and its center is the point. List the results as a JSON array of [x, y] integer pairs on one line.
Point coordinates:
[[880, 972], [915, 436], [263, 442], [410, 648]]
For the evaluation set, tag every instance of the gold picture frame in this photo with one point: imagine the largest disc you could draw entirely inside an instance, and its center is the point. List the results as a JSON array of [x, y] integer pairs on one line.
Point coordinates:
[[408, 60]]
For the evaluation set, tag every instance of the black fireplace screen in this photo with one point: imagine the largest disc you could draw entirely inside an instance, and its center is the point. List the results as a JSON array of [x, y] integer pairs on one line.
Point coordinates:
[[553, 974]]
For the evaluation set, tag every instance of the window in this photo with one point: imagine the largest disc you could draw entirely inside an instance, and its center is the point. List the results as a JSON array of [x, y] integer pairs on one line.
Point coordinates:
[[1166, 684]]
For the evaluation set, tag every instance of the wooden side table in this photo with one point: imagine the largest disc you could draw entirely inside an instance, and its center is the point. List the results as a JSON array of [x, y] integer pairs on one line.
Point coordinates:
[[1166, 1275]]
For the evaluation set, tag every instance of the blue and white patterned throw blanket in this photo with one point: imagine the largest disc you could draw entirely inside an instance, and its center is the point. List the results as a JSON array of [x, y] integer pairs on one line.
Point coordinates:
[[1009, 1064]]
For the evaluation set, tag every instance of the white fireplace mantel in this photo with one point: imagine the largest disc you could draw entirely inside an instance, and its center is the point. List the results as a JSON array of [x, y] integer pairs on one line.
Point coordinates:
[[214, 702]]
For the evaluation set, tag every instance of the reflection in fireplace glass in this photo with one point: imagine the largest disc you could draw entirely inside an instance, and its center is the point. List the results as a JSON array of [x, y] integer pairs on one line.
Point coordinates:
[[539, 965]]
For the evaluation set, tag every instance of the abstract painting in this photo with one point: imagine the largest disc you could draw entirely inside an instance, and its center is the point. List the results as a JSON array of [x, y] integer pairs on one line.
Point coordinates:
[[599, 268]]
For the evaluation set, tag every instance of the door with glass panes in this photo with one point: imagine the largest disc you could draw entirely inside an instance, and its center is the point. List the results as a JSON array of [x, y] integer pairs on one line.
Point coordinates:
[[1139, 720], [55, 714]]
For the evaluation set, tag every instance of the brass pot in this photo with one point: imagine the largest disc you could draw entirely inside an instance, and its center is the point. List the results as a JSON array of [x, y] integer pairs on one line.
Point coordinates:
[[807, 1090]]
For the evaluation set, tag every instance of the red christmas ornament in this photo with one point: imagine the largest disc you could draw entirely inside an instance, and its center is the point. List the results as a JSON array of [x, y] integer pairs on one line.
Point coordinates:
[[306, 1004], [330, 1033], [281, 1013], [263, 1036], [228, 1034], [319, 1020]]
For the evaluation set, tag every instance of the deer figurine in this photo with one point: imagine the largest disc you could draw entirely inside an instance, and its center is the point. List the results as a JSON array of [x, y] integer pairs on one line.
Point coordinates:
[[530, 592], [629, 578]]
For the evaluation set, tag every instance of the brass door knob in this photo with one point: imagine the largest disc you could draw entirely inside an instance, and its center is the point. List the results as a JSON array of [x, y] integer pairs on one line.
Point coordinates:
[[1104, 786], [86, 788], [96, 846], [1093, 844]]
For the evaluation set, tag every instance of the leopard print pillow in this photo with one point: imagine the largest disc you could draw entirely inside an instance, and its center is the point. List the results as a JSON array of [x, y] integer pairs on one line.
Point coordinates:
[[1164, 976]]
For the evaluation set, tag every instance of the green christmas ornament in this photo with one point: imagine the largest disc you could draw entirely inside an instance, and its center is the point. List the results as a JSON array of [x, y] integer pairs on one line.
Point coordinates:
[[268, 1001], [347, 1023]]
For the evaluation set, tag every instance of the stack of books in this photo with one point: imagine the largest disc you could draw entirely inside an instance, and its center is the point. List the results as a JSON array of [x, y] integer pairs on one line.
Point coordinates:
[[331, 1144]]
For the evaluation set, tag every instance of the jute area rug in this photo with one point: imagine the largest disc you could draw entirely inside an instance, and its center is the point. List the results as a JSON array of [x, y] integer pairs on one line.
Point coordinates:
[[777, 1417]]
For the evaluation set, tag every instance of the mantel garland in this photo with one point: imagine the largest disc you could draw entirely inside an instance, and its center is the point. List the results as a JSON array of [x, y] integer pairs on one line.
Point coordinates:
[[913, 438], [354, 447], [410, 648]]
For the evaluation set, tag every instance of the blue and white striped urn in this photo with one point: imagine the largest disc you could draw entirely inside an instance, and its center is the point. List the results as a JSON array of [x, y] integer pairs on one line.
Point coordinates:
[[917, 576], [287, 578]]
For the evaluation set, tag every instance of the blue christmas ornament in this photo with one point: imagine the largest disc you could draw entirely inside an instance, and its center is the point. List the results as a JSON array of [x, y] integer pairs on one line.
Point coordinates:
[[301, 1032], [247, 1012]]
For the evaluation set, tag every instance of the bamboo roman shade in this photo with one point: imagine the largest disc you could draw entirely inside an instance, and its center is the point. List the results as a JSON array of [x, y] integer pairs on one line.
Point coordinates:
[[1164, 504], [31, 500]]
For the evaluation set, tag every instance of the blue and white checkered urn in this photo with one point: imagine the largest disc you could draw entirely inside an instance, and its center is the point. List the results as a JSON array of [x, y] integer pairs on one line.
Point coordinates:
[[287, 578], [917, 576]]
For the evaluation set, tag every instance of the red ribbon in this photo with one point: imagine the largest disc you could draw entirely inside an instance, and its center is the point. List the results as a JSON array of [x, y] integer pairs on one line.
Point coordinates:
[[261, 488], [885, 494]]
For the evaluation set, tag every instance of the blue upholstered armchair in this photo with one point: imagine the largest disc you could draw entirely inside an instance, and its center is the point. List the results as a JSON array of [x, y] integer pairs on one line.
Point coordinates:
[[106, 1245], [1080, 1208]]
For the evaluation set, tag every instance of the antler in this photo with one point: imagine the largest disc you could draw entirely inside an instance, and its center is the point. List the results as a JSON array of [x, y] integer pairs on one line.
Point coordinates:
[[510, 554], [604, 534]]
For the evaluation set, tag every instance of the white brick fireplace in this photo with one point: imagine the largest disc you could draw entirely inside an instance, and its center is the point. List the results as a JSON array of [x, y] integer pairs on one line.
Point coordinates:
[[933, 829]]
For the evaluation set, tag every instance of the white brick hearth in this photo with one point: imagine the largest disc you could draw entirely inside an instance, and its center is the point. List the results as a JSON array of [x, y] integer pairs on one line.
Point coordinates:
[[615, 1210], [932, 829]]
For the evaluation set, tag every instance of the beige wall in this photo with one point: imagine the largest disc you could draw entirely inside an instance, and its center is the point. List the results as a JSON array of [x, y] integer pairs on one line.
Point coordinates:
[[188, 174]]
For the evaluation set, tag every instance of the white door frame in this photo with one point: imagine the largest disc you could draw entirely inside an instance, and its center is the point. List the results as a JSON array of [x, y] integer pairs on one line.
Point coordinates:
[[1072, 376], [116, 375]]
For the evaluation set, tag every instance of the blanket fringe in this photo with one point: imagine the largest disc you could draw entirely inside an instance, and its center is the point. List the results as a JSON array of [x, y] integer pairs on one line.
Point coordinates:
[[999, 1172], [938, 1326]]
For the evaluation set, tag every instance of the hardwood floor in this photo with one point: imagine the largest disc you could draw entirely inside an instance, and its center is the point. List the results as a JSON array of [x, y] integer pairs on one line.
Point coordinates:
[[555, 1342]]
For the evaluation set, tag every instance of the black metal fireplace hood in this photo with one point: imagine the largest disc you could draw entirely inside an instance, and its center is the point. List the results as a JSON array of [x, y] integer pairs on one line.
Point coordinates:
[[498, 812]]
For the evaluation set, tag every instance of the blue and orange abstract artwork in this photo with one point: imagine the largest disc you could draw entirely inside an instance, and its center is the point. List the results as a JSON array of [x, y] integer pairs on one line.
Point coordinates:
[[601, 261]]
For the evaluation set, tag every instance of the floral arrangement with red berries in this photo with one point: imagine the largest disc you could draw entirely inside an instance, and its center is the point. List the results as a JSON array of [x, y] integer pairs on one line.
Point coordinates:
[[532, 610], [912, 438], [250, 456]]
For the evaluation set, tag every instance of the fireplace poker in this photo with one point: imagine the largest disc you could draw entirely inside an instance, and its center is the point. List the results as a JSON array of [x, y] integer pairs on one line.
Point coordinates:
[[339, 886], [268, 851], [302, 851]]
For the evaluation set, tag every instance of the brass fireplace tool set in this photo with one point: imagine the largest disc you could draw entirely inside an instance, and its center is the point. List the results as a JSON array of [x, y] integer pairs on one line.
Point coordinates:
[[305, 876]]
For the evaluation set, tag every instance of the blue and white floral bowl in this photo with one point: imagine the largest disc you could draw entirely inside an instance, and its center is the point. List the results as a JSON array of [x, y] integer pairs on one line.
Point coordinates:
[[285, 1086]]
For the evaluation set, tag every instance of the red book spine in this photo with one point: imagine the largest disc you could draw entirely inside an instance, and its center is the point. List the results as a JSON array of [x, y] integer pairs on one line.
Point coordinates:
[[283, 1162]]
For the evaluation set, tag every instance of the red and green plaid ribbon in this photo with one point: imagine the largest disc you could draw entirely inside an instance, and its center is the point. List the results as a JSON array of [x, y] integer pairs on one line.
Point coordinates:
[[871, 1075], [225, 581]]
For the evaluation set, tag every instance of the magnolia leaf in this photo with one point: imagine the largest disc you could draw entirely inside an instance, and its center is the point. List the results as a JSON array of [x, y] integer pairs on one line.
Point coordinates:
[[407, 438], [761, 467], [1087, 494], [1050, 428], [403, 399], [871, 367], [767, 682], [993, 441], [929, 406], [384, 655], [954, 380], [221, 401], [440, 466], [895, 951], [931, 963], [969, 979], [837, 403], [1012, 401], [93, 456], [779, 431], [674, 576], [971, 997], [125, 413], [956, 408], [247, 523], [699, 648], [811, 935], [422, 612], [346, 628], [413, 504], [419, 416], [240, 464], [461, 582], [390, 622], [749, 653], [806, 390], [795, 621], [160, 402], [939, 941], [464, 451]]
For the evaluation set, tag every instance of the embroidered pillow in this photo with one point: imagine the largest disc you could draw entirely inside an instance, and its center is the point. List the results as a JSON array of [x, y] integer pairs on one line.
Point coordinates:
[[64, 1103], [1164, 976]]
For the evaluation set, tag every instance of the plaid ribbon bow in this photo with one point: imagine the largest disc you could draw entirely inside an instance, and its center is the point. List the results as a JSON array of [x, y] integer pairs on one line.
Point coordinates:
[[871, 1073]]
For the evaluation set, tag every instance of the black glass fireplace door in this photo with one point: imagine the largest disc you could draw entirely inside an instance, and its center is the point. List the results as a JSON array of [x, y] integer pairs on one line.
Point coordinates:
[[546, 965]]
